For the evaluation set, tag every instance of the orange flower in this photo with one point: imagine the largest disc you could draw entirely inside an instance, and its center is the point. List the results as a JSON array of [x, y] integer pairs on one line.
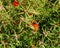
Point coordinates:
[[35, 25]]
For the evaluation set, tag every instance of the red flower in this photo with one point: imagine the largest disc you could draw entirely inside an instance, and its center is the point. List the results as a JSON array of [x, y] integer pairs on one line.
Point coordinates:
[[15, 3], [35, 25]]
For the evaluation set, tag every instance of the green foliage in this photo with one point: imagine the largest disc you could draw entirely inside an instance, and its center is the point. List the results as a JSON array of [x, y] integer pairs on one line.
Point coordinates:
[[15, 31]]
